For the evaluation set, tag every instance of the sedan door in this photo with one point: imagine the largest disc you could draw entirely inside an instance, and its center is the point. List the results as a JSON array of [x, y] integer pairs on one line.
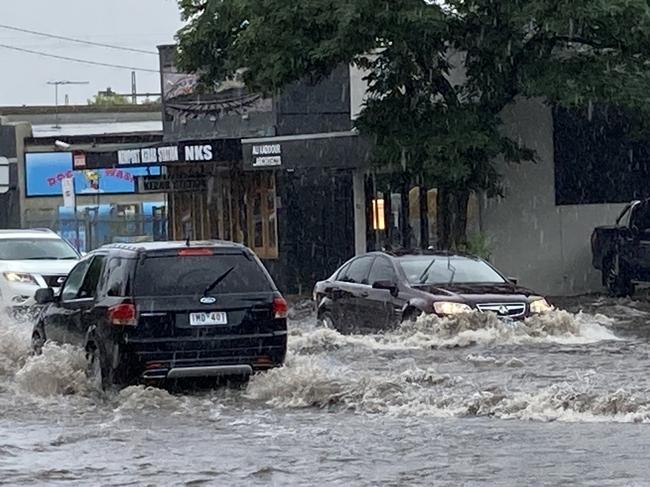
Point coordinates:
[[353, 289], [379, 306]]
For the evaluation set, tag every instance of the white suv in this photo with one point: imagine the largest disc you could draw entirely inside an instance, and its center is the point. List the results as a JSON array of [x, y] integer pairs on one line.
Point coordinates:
[[29, 260]]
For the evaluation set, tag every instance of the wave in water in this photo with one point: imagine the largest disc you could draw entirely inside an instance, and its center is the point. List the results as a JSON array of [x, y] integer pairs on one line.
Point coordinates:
[[313, 381], [560, 327]]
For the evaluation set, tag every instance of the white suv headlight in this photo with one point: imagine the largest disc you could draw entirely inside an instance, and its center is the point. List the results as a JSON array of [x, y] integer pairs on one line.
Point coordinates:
[[540, 306], [450, 308], [19, 277]]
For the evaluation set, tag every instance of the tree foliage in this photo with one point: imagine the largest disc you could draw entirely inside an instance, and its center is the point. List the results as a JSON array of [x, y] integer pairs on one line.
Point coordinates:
[[108, 98], [439, 72]]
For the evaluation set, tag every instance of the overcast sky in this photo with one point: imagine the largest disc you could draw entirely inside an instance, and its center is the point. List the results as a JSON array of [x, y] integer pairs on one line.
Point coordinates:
[[141, 24]]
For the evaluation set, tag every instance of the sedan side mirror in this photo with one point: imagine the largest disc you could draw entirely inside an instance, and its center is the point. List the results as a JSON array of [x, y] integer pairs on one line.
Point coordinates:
[[44, 295], [513, 280], [388, 285]]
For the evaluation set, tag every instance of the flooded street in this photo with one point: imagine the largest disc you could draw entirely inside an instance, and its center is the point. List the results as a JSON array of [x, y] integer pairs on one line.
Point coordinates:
[[557, 400]]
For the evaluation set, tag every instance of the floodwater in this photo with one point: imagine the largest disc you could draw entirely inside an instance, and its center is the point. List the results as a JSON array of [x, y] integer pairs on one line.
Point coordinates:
[[559, 400]]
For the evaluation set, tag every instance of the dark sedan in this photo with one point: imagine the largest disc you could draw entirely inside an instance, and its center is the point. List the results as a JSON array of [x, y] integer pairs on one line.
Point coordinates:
[[379, 290]]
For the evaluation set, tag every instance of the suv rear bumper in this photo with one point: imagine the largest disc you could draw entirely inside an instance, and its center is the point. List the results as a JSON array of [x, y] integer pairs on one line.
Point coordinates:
[[236, 355]]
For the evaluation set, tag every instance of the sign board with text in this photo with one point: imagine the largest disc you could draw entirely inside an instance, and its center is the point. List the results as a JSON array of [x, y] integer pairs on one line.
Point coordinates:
[[161, 184], [343, 150], [267, 155], [192, 151]]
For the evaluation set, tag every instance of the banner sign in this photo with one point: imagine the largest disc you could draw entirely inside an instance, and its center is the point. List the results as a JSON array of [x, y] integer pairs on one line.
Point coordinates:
[[267, 155], [159, 184], [67, 186]]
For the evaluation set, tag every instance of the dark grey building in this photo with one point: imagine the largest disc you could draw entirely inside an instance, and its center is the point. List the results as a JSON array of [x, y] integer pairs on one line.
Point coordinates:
[[284, 174]]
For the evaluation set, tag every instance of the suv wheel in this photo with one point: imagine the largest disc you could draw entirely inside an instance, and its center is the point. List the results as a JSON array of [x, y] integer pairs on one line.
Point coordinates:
[[615, 278], [97, 370]]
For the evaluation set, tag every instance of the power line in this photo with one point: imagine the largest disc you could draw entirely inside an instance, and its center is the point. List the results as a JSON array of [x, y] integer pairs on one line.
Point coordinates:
[[80, 41], [76, 60]]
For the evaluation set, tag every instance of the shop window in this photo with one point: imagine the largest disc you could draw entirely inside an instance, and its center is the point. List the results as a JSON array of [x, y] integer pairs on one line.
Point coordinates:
[[378, 218], [432, 207], [262, 216], [415, 216]]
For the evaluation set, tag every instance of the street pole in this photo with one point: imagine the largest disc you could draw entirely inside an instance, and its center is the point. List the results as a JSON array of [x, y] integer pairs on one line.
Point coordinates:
[[56, 96], [76, 217]]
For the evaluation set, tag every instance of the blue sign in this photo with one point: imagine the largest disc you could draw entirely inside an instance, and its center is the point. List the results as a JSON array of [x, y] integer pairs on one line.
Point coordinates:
[[45, 170]]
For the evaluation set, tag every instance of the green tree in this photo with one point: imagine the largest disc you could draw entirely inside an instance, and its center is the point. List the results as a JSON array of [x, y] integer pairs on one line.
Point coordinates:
[[108, 98], [440, 72]]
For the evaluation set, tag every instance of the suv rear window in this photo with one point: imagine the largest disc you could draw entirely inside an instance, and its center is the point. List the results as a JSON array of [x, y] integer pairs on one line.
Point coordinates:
[[191, 275]]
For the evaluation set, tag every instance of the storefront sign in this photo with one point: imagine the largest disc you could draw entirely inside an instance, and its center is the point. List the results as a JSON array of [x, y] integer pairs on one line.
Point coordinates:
[[45, 172], [148, 155], [267, 155], [79, 160], [158, 184], [185, 152], [344, 150]]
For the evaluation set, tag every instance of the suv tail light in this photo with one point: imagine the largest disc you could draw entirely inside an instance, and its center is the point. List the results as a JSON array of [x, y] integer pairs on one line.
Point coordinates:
[[280, 307], [123, 315]]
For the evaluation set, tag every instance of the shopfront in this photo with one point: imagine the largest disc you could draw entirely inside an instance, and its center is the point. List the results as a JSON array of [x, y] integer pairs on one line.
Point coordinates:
[[103, 205]]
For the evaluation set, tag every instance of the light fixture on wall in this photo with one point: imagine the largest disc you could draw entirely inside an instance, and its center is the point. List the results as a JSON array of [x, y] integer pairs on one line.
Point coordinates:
[[62, 145]]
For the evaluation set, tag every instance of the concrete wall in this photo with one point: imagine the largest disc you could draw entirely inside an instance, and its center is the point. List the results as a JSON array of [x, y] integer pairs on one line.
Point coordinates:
[[81, 114], [546, 246]]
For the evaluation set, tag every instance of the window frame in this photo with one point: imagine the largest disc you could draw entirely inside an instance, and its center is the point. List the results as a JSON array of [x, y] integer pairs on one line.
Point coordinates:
[[371, 258], [263, 186], [84, 263], [379, 258], [102, 263]]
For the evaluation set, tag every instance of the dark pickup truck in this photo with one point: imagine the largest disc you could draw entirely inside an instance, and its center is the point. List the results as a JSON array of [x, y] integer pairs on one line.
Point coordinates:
[[622, 251]]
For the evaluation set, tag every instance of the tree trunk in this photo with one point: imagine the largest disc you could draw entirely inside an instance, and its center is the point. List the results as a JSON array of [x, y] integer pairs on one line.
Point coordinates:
[[452, 218]]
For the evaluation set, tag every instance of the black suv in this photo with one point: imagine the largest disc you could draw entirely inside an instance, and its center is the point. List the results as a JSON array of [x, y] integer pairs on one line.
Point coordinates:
[[150, 312]]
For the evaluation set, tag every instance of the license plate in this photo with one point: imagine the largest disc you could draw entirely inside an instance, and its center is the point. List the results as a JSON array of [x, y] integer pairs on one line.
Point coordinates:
[[211, 318]]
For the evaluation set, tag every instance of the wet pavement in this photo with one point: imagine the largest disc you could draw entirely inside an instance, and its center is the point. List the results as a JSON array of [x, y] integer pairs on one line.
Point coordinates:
[[559, 400]]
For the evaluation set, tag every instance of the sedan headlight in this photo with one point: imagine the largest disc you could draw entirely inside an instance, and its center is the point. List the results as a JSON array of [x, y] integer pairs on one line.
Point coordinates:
[[540, 306], [19, 277], [450, 308]]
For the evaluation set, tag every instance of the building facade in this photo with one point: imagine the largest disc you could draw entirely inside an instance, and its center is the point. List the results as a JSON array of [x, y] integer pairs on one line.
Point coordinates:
[[284, 175]]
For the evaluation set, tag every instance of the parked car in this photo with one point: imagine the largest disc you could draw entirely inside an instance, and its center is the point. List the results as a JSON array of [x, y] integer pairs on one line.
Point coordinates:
[[29, 260], [378, 290], [622, 251], [163, 310]]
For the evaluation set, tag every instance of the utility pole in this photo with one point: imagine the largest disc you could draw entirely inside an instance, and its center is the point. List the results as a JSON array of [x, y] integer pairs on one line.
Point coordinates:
[[56, 96], [134, 89]]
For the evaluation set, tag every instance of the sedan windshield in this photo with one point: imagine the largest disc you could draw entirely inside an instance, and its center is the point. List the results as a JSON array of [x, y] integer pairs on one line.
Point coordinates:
[[36, 249], [430, 269]]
